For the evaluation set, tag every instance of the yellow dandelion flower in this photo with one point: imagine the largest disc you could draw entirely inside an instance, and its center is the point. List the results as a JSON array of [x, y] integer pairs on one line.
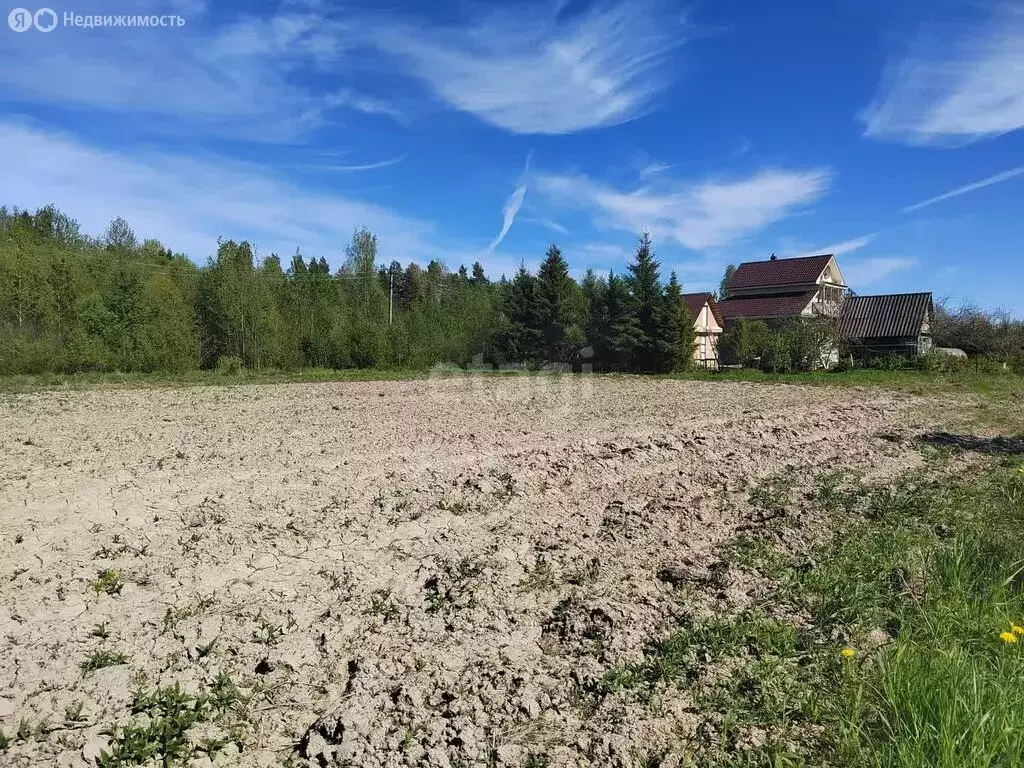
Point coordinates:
[[1017, 629], [1008, 637], [847, 653]]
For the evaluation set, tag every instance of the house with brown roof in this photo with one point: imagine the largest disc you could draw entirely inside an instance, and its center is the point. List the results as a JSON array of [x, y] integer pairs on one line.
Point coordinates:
[[781, 289], [892, 324], [707, 327]]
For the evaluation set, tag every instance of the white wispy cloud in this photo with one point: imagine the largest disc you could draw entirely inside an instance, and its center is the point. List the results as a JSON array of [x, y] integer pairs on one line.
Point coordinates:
[[997, 179], [247, 77], [865, 272], [276, 76], [366, 167], [346, 97], [697, 215], [512, 206], [961, 82], [743, 147], [846, 246], [554, 226], [653, 169], [533, 69], [188, 202]]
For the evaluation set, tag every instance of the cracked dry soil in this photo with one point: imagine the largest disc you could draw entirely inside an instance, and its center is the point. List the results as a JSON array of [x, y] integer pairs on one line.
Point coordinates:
[[431, 573]]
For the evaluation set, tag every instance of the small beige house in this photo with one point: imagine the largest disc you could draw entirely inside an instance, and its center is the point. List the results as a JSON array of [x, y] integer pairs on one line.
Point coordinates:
[[707, 327]]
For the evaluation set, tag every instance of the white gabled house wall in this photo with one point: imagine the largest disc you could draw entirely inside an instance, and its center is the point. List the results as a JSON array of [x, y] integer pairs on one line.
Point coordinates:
[[828, 300], [706, 330]]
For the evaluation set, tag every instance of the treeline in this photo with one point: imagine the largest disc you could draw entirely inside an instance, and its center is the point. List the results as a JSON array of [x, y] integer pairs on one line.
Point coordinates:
[[70, 302], [995, 334]]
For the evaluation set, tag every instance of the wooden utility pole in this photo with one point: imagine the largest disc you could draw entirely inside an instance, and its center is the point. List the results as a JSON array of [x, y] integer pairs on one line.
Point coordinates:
[[391, 296]]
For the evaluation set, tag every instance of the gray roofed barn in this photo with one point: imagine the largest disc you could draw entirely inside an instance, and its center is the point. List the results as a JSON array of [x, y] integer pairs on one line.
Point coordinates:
[[892, 324]]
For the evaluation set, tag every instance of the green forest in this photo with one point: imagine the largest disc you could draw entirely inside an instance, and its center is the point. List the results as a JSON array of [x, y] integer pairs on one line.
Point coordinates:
[[74, 303]]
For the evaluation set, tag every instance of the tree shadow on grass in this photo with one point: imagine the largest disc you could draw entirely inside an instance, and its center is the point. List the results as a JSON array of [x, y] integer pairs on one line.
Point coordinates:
[[999, 445]]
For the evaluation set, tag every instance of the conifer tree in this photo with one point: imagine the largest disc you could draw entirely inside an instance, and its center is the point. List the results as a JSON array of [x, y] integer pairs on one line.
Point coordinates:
[[560, 308], [595, 297], [519, 338], [650, 348], [622, 328], [679, 331], [479, 277]]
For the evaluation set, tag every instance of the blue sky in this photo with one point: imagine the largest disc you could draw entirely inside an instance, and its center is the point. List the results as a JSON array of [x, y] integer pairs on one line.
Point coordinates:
[[885, 132]]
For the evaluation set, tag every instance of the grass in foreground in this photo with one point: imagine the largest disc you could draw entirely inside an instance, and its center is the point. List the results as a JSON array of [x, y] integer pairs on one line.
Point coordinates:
[[45, 381], [905, 646], [995, 385], [912, 381], [949, 689]]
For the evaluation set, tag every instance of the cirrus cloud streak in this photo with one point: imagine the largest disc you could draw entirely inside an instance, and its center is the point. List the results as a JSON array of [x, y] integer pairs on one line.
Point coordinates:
[[697, 215]]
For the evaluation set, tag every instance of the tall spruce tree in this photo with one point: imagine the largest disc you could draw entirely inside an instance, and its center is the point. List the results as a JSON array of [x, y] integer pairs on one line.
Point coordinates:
[[651, 350], [595, 297], [560, 308], [679, 331], [621, 327], [519, 338], [479, 278]]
